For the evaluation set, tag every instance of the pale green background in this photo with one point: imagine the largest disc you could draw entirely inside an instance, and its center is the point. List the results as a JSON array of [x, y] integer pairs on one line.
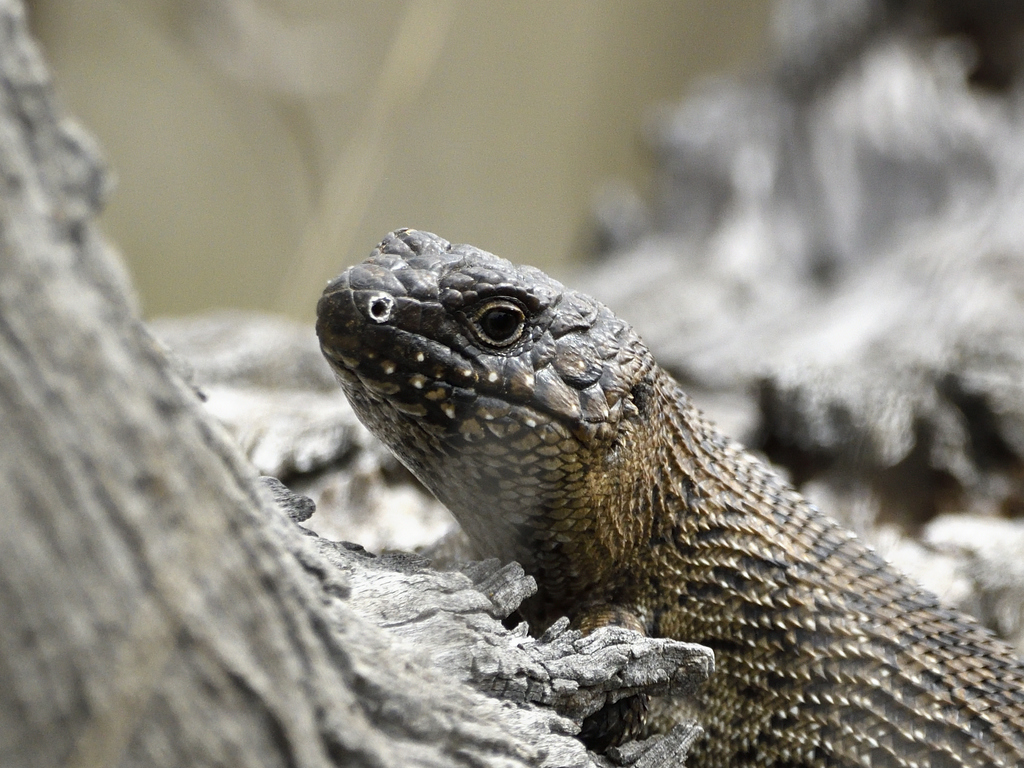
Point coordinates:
[[261, 145]]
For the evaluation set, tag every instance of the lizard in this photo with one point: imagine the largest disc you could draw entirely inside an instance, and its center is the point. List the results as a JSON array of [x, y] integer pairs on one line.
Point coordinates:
[[543, 422]]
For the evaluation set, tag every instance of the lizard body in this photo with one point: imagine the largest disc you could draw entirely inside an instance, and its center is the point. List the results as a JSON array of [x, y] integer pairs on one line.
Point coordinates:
[[544, 424]]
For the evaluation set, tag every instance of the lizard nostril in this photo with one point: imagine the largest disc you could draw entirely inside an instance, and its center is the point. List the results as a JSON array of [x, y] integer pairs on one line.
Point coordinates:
[[380, 308]]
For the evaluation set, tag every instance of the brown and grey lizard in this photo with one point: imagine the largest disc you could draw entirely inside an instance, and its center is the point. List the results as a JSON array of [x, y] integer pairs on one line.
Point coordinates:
[[544, 424]]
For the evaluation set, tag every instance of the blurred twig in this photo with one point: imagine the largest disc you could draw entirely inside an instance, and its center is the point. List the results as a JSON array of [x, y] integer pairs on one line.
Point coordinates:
[[353, 180]]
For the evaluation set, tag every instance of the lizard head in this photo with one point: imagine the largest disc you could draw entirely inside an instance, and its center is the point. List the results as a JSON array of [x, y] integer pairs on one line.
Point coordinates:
[[496, 385]]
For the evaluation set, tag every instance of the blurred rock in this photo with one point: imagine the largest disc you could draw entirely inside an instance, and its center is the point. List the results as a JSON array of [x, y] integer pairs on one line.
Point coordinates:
[[249, 349], [973, 563], [988, 555], [620, 217], [264, 378], [813, 39]]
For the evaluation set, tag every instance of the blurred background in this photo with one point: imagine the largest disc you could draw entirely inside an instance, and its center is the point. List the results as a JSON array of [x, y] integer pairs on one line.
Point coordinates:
[[261, 145]]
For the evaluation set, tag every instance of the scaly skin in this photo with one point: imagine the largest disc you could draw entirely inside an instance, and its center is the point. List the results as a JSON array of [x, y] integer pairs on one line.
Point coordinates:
[[543, 423]]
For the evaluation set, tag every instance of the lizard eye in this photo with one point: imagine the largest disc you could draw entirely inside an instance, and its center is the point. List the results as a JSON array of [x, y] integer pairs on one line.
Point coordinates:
[[499, 323]]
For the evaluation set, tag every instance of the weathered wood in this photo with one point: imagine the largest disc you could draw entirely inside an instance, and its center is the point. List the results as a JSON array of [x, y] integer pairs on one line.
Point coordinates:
[[450, 615]]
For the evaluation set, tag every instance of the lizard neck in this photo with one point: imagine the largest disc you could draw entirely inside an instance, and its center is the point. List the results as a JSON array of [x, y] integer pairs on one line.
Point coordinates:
[[611, 514]]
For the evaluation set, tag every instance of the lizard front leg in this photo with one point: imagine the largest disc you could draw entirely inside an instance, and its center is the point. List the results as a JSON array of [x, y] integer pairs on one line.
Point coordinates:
[[623, 720]]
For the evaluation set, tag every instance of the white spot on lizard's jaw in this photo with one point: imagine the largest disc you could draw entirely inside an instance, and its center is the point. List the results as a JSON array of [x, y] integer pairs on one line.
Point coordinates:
[[418, 380], [388, 367], [492, 376], [420, 357], [448, 409]]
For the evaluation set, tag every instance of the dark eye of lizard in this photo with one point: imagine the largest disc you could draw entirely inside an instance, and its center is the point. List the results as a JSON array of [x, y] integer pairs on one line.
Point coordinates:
[[499, 323]]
